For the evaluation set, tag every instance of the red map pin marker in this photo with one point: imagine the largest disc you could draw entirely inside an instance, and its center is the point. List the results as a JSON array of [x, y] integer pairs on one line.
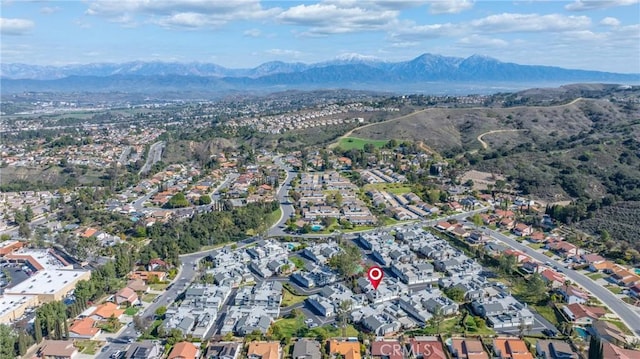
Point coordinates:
[[375, 275]]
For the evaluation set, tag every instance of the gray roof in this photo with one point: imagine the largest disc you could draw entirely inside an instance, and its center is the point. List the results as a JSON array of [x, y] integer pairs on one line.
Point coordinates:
[[306, 348], [222, 350]]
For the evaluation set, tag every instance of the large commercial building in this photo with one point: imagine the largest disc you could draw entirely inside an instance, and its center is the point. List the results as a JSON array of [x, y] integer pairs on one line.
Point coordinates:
[[47, 277]]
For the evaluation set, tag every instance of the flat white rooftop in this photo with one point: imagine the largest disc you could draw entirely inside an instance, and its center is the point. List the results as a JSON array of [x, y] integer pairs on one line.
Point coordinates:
[[9, 303], [46, 282]]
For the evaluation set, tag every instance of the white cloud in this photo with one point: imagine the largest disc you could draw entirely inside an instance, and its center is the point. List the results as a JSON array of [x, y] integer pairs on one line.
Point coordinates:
[[509, 22], [182, 13], [252, 33], [610, 21], [47, 10], [425, 32], [376, 4], [330, 19], [583, 5], [477, 41], [450, 6], [15, 26], [284, 52]]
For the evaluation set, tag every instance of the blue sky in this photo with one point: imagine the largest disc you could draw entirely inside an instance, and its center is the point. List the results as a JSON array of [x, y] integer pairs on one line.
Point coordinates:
[[595, 35]]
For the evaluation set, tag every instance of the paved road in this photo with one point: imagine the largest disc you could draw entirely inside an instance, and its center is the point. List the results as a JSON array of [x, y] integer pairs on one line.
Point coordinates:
[[154, 155], [628, 315], [122, 160], [186, 274], [285, 206]]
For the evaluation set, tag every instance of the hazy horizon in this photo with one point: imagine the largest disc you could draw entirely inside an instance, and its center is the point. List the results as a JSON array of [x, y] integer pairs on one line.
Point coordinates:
[[585, 35]]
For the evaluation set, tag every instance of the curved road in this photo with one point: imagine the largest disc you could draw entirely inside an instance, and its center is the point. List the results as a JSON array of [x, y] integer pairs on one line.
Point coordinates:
[[485, 145], [623, 310]]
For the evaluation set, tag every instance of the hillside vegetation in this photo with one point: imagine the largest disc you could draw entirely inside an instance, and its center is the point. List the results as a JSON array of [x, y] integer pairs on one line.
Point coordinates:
[[586, 151]]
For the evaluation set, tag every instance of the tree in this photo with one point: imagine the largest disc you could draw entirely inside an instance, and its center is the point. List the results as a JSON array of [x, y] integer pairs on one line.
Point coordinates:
[[595, 348], [204, 199], [161, 311], [24, 231], [7, 342], [343, 314], [37, 330], [535, 289], [455, 293], [23, 342], [28, 214], [437, 318], [175, 336], [507, 263], [477, 220]]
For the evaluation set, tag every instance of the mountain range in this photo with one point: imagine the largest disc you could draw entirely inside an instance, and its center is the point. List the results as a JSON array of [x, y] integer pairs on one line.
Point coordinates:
[[347, 72]]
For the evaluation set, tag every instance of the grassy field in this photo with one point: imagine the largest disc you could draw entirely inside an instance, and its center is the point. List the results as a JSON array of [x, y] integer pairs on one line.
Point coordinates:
[[548, 313], [536, 245], [596, 276], [159, 286], [335, 332], [620, 326], [89, 347], [131, 311], [149, 297], [349, 143], [474, 329], [395, 188], [614, 289], [288, 327], [289, 298]]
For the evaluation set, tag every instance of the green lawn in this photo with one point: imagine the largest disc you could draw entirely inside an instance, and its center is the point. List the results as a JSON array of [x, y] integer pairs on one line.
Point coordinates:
[[349, 143], [149, 297], [289, 298], [131, 311], [159, 286], [620, 326], [548, 313], [288, 327], [536, 245], [549, 254], [332, 332], [596, 276], [395, 188], [472, 328], [89, 347], [614, 289], [274, 216]]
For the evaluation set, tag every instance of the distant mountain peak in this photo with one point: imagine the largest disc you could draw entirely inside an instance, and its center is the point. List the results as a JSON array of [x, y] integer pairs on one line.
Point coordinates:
[[351, 70], [356, 57]]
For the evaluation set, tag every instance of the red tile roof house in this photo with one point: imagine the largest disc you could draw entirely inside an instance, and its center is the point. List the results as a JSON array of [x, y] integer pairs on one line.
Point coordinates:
[[573, 294], [126, 296], [184, 350], [507, 223], [426, 348], [556, 279], [537, 237], [84, 329], [156, 263], [522, 230], [520, 257], [582, 314], [445, 226], [387, 349], [58, 349], [563, 248]]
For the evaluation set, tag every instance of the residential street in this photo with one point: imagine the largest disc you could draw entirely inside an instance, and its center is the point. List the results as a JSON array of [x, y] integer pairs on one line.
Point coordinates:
[[631, 317]]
